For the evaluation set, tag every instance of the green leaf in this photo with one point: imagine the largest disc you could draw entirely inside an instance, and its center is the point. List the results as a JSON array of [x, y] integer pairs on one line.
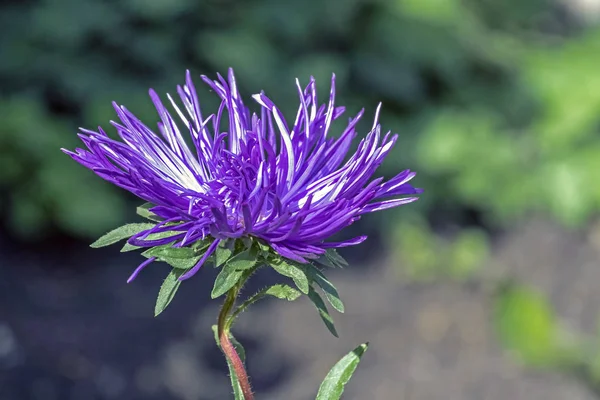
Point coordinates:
[[223, 253], [152, 236], [129, 247], [149, 251], [283, 292], [244, 260], [292, 271], [280, 291], [171, 252], [235, 384], [167, 291], [181, 263], [335, 258], [322, 308], [324, 260], [144, 211], [123, 232], [201, 245], [330, 291], [333, 384], [226, 279], [177, 257]]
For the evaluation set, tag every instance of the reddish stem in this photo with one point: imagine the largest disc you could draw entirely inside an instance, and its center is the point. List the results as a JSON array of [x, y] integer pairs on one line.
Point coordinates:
[[238, 365], [228, 348]]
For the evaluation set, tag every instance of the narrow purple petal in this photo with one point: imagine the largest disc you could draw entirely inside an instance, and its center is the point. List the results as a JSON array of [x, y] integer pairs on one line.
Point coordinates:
[[140, 268], [211, 249]]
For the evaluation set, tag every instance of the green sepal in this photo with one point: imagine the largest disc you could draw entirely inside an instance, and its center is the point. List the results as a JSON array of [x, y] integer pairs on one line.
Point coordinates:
[[323, 312], [167, 291], [332, 386], [118, 234], [235, 384], [265, 250]]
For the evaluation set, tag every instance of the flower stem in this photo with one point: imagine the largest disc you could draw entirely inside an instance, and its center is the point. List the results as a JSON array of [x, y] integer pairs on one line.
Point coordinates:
[[227, 346]]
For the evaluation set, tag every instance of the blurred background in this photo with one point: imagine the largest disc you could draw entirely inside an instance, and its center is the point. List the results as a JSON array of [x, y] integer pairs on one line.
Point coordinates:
[[486, 288]]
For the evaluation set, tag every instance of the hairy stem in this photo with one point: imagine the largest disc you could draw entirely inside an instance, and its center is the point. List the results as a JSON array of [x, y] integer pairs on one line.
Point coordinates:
[[227, 346]]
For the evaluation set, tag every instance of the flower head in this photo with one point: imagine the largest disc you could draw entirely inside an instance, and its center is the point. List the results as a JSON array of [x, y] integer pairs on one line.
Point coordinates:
[[285, 183]]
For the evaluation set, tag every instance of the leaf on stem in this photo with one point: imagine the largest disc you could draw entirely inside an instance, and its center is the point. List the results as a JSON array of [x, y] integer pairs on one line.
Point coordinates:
[[152, 236], [332, 259], [283, 292], [331, 293], [291, 270], [333, 384], [244, 260], [167, 291], [323, 312], [226, 279], [223, 252]]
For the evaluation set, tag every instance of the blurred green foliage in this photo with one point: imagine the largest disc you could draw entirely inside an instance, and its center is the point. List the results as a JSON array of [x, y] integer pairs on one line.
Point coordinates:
[[527, 325], [427, 256], [487, 96]]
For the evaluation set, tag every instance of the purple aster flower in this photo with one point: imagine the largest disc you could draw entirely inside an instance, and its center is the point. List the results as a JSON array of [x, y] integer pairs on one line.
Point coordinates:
[[285, 183]]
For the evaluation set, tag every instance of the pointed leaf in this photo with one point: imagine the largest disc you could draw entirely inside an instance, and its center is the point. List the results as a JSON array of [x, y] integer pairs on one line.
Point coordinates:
[[201, 245], [123, 232], [283, 292], [335, 258], [226, 279], [167, 291], [144, 211], [171, 252], [223, 252], [322, 308], [129, 247], [177, 257], [182, 263], [152, 236], [331, 293], [244, 260], [333, 384], [186, 263], [235, 384], [324, 260], [292, 271]]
